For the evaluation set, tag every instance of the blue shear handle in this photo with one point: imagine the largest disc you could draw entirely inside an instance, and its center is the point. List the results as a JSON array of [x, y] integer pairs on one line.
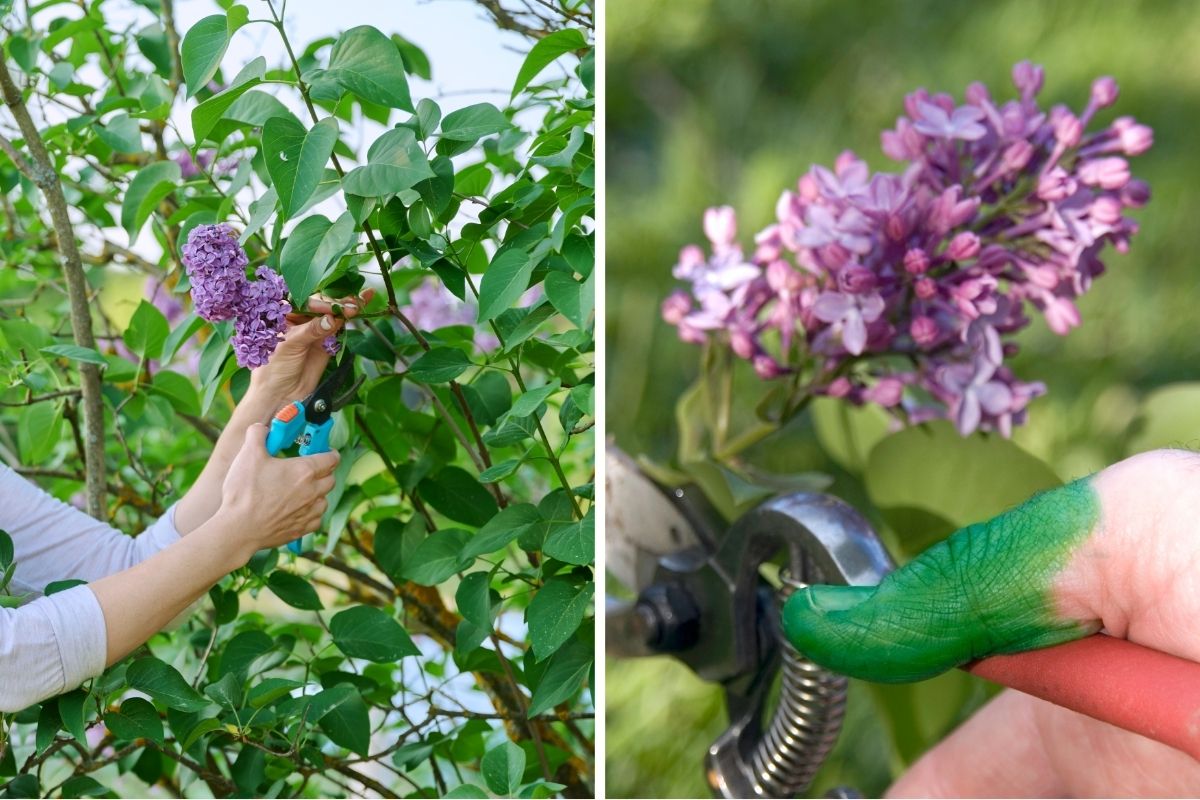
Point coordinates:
[[316, 438], [285, 427]]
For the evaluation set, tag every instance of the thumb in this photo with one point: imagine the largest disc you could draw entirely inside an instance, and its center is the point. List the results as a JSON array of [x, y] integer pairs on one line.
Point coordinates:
[[256, 439], [988, 588]]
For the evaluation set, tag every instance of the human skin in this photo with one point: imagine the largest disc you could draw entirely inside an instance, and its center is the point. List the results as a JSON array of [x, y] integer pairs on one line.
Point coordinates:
[[235, 507], [1045, 572]]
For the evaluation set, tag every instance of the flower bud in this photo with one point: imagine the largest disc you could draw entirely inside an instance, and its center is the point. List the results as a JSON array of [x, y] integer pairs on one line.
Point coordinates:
[[1055, 185], [741, 341], [782, 278], [977, 94], [677, 306], [1104, 91], [886, 392], [1068, 130], [856, 279], [1017, 155], [767, 367], [839, 387], [720, 226], [916, 261], [924, 330], [1135, 138], [1106, 210], [1135, 194], [1107, 173], [925, 288], [963, 246], [1028, 78]]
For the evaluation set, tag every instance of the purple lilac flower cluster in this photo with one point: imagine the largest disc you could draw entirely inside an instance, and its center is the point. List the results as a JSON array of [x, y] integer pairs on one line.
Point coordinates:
[[431, 306], [905, 289], [216, 266]]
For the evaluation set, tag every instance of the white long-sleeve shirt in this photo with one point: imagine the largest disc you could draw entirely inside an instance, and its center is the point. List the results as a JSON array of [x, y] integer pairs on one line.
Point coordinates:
[[52, 644]]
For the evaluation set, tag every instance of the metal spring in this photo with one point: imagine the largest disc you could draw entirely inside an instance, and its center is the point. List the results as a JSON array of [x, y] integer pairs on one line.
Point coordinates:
[[806, 723]]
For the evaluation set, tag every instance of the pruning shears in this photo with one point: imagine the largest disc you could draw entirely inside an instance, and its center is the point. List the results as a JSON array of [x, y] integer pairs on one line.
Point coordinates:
[[701, 596], [308, 422]]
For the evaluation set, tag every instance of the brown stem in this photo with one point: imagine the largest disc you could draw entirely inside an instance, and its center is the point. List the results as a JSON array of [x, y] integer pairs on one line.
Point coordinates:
[[81, 316]]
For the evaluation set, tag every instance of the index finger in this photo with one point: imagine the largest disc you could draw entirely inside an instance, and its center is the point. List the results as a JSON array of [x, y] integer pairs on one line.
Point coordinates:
[[322, 464]]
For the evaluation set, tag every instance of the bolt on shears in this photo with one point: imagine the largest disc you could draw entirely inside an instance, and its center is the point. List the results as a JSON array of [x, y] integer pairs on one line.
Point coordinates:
[[309, 422]]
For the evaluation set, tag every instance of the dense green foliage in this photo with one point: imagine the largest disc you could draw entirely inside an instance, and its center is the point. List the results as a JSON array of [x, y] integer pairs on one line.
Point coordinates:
[[731, 107], [437, 636]]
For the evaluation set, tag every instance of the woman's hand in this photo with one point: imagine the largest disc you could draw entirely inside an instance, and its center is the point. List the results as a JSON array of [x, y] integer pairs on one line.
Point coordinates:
[[274, 500], [297, 363]]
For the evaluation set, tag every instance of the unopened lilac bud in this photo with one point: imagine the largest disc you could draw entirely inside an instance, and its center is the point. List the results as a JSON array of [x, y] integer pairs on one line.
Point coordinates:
[[1106, 210], [741, 341], [963, 246], [782, 278], [856, 279], [1028, 78], [886, 392], [916, 261], [767, 367], [1068, 130], [925, 288], [1017, 155], [1107, 173], [913, 100], [834, 255], [844, 161], [1135, 194], [839, 387], [720, 226], [677, 306], [1134, 138], [924, 330], [808, 188], [897, 227], [1055, 185], [977, 94], [1104, 91]]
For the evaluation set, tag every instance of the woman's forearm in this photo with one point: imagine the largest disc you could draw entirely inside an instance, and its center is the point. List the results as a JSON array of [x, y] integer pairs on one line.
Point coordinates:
[[141, 600], [204, 498]]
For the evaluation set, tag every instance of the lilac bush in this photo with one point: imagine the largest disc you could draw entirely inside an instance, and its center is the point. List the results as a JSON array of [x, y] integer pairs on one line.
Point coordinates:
[[906, 289]]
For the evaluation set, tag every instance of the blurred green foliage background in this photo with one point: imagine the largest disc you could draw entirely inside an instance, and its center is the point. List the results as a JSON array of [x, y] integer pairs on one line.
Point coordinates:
[[714, 102]]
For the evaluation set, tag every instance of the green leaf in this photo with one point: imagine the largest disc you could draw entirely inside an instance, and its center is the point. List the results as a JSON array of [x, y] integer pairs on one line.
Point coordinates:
[[396, 541], [500, 471], [296, 158], [501, 529], [294, 590], [164, 683], [311, 250], [137, 719], [504, 281], [439, 365], [437, 557], [367, 632], [54, 587], [226, 692], [488, 397], [961, 480], [555, 613], [71, 708], [847, 433], [121, 133], [85, 786], [39, 428], [427, 117], [466, 791], [206, 115], [473, 180], [474, 599], [201, 51], [571, 298], [204, 726], [270, 690], [178, 390], [574, 543], [147, 189], [369, 64], [532, 400], [147, 331], [74, 352], [567, 671], [456, 494], [548, 49], [395, 162], [343, 717], [502, 769], [474, 122]]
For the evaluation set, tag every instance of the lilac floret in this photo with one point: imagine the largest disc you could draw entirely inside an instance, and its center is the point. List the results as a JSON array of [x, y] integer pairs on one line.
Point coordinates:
[[216, 267]]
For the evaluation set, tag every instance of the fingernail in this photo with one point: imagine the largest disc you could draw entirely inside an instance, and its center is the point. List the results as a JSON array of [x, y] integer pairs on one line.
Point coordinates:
[[326, 324], [833, 598]]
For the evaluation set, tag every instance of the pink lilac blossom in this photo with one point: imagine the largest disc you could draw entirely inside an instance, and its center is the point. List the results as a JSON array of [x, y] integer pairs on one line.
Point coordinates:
[[1002, 208]]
